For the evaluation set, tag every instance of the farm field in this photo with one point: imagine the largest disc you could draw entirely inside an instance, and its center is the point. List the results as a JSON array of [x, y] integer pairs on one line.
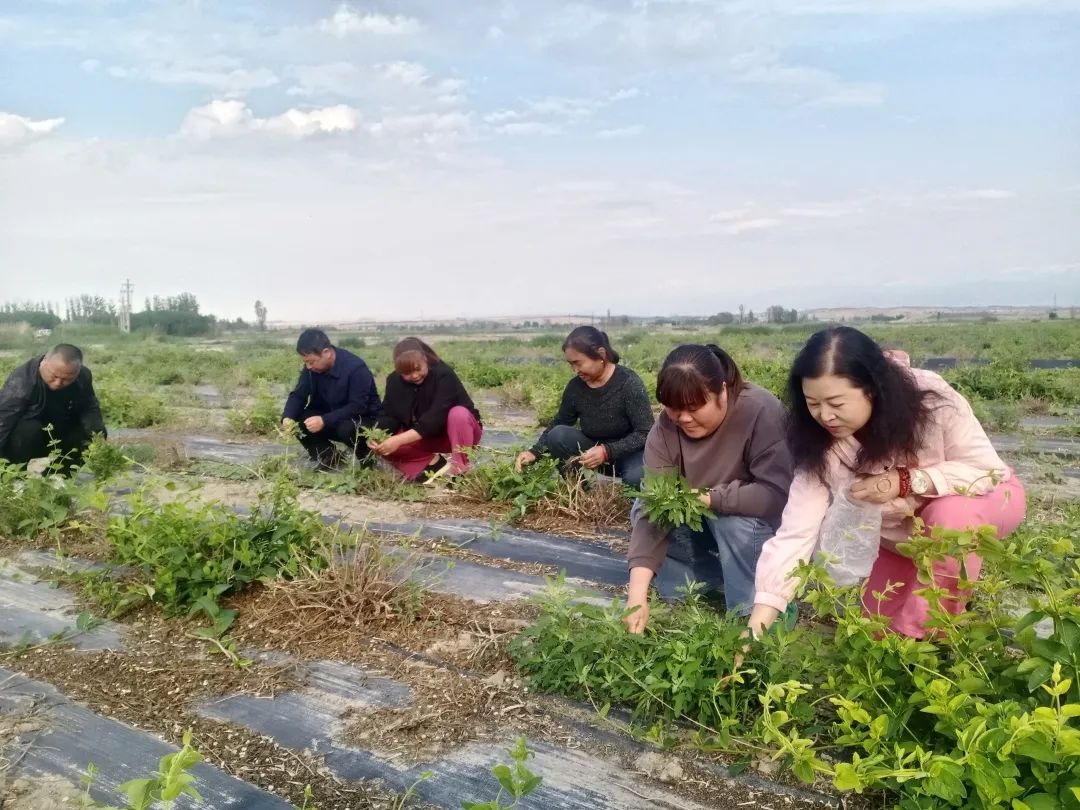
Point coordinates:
[[347, 640]]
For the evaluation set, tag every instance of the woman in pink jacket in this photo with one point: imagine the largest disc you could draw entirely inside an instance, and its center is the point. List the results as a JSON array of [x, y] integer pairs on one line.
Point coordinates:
[[865, 424]]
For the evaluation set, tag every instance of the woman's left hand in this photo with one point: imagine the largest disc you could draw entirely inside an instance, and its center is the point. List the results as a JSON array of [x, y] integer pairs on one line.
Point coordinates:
[[880, 488], [594, 457], [386, 447]]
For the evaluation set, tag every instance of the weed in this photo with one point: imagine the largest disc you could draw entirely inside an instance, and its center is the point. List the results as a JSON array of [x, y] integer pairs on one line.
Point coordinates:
[[261, 418], [982, 713], [376, 435], [105, 460], [189, 551], [160, 790], [516, 781], [668, 501], [359, 584], [124, 407], [501, 483], [34, 504]]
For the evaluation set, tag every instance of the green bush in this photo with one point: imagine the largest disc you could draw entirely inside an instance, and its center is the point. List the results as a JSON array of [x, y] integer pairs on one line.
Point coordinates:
[[123, 407], [187, 551], [261, 418], [33, 504], [982, 713]]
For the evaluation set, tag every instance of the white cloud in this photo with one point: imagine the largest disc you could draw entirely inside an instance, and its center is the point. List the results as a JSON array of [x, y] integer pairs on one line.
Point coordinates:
[[988, 194], [621, 132], [745, 225], [16, 129], [399, 85], [346, 22], [229, 118], [801, 84], [625, 94], [528, 128], [409, 74], [426, 127], [223, 75]]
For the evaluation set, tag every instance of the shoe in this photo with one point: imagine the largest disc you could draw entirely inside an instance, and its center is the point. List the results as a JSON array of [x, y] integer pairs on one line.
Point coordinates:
[[439, 467]]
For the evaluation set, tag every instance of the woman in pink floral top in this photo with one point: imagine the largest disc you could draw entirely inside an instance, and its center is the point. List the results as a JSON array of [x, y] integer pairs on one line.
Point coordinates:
[[863, 422]]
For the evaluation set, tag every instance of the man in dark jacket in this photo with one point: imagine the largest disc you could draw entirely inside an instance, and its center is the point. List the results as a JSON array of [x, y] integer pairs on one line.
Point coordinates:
[[53, 393], [334, 398]]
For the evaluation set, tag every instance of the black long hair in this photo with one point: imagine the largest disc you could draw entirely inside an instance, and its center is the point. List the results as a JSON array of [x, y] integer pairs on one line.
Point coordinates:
[[899, 413], [692, 371], [588, 340]]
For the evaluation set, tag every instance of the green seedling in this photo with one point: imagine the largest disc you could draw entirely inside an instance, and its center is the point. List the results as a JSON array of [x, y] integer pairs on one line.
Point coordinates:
[[668, 501]]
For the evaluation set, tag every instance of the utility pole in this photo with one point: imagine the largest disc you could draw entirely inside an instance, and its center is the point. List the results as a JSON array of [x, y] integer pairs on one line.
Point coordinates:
[[126, 289]]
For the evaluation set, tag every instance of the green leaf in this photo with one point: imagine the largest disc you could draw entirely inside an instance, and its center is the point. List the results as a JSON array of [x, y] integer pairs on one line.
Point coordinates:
[[506, 778], [1037, 801], [847, 778], [139, 792]]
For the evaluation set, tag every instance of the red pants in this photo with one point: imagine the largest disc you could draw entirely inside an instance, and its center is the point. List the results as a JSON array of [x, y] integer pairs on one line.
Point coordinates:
[[908, 612], [462, 431]]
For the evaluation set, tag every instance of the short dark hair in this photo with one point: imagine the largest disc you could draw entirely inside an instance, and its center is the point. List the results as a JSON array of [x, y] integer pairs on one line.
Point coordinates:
[[899, 413], [70, 355], [589, 341], [692, 371], [313, 341]]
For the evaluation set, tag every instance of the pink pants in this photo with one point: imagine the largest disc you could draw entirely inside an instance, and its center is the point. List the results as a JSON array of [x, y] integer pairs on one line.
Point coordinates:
[[462, 430], [908, 612]]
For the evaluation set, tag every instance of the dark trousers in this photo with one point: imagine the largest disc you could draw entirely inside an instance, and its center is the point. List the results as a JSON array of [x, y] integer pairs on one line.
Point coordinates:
[[29, 440], [320, 446], [565, 442]]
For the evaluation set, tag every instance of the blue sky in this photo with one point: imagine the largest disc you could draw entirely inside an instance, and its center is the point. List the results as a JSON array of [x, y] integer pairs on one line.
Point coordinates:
[[346, 160]]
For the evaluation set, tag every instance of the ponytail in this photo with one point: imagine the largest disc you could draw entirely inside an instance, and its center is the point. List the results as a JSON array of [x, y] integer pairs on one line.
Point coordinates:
[[692, 372], [588, 340]]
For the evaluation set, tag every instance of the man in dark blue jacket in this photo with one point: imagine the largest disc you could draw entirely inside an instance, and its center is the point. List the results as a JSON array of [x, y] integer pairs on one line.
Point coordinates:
[[49, 398], [334, 398]]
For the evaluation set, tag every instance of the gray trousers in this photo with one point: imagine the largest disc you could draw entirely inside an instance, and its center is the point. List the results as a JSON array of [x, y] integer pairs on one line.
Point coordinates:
[[564, 442], [723, 557]]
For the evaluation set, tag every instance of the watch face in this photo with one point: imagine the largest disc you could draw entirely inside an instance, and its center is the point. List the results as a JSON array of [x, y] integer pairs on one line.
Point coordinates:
[[919, 482]]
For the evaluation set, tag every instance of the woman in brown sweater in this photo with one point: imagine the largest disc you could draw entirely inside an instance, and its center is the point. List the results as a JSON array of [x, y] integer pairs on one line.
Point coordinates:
[[726, 436]]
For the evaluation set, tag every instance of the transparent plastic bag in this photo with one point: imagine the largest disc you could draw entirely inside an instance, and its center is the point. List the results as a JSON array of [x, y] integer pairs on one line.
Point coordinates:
[[850, 539]]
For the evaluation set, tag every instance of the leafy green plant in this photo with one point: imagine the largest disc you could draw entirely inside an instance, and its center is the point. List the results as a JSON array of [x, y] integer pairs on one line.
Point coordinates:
[[516, 781], [982, 713], [105, 460], [668, 501], [160, 790], [34, 504], [189, 551], [124, 407], [221, 620], [376, 435], [500, 482], [261, 418]]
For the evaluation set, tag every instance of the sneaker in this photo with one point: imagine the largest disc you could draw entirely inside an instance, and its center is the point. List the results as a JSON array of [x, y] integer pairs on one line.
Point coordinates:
[[439, 467]]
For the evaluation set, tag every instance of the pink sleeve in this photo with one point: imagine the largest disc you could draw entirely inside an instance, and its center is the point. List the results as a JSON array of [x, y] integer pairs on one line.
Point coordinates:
[[970, 459], [793, 543]]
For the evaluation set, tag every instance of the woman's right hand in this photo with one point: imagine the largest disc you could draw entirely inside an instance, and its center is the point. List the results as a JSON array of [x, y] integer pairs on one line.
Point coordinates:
[[761, 619], [636, 621], [524, 457], [637, 595]]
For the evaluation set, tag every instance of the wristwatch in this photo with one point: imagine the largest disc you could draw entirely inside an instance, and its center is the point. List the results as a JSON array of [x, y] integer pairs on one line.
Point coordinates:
[[920, 482]]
